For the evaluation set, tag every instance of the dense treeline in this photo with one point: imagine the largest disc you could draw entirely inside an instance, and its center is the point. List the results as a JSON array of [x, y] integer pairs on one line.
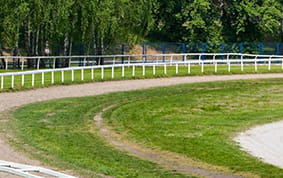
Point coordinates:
[[29, 24], [95, 23], [218, 20]]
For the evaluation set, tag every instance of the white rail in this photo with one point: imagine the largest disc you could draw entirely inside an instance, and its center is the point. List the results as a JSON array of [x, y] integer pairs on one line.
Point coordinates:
[[28, 171], [118, 59], [186, 59]]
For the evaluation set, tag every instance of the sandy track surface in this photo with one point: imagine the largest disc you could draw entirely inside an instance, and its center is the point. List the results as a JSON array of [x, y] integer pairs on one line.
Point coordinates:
[[12, 100], [265, 142]]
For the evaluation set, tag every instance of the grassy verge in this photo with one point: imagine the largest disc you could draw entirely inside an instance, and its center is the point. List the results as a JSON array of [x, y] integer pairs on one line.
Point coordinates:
[[171, 71], [69, 140], [196, 120]]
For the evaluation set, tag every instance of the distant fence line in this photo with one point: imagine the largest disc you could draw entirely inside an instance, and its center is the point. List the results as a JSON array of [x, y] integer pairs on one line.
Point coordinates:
[[166, 59], [173, 47], [263, 48], [156, 48], [90, 60]]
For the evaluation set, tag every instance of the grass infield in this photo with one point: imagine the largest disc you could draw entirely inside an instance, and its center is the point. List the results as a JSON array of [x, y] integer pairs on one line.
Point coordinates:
[[198, 121]]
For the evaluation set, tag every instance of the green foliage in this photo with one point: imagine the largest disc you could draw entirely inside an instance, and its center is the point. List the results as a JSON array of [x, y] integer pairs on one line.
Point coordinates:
[[251, 21], [99, 24], [218, 21], [95, 23]]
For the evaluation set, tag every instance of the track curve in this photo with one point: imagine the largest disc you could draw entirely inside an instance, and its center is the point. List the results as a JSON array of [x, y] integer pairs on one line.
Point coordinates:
[[16, 99], [265, 142]]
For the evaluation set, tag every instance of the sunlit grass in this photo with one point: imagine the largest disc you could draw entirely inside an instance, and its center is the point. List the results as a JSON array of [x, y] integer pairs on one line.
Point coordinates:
[[196, 120]]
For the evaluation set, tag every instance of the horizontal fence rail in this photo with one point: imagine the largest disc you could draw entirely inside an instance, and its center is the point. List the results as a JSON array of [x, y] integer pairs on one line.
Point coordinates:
[[73, 61], [23, 170], [157, 60]]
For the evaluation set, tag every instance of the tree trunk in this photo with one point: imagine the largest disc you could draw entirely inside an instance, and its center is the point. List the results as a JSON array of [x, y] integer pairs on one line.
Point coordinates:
[[33, 44], [16, 49], [65, 61], [100, 51], [3, 64], [70, 52], [27, 37]]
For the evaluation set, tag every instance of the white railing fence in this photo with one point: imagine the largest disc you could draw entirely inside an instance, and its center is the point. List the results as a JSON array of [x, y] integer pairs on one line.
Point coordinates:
[[186, 59], [23, 170], [72, 61]]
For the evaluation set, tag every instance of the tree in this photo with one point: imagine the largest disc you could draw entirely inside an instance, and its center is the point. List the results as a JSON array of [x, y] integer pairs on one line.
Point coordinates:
[[250, 20]]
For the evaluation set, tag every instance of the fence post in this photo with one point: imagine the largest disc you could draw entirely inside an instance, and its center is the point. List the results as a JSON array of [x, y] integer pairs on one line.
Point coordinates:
[[143, 70], [123, 52], [22, 67], [165, 69], [154, 70], [73, 75], [23, 79], [2, 82], [129, 61], [102, 72], [62, 75], [54, 63], [13, 80], [42, 78], [215, 66], [255, 63], [82, 74], [269, 63], [32, 79], [52, 77], [228, 62], [133, 72], [177, 68], [6, 62], [242, 63], [112, 71], [189, 67], [38, 61], [123, 71], [84, 61], [92, 74], [144, 52]]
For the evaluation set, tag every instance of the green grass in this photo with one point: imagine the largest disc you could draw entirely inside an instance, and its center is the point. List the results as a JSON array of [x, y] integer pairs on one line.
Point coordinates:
[[195, 120], [171, 71], [69, 140]]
